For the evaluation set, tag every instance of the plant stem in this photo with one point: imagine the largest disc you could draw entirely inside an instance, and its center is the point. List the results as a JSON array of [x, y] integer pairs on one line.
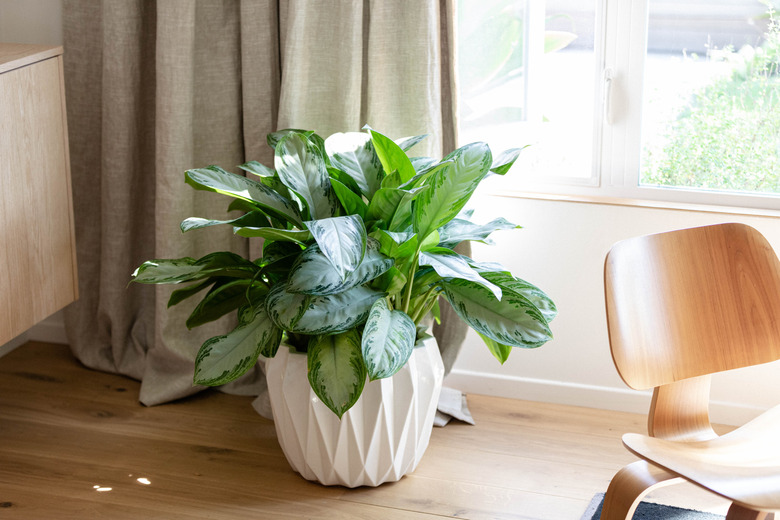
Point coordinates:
[[425, 305], [410, 281]]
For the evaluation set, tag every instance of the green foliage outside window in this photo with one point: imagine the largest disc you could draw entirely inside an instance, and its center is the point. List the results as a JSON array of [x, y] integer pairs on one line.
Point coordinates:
[[728, 136]]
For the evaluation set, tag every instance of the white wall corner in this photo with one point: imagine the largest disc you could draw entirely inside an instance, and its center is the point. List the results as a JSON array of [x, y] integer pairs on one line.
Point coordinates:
[[19, 340], [50, 330]]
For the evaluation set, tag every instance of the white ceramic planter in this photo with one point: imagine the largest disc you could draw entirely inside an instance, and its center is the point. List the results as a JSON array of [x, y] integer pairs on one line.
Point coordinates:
[[380, 439]]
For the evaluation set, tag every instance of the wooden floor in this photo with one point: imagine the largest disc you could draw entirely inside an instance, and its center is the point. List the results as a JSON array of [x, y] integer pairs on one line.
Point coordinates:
[[75, 444]]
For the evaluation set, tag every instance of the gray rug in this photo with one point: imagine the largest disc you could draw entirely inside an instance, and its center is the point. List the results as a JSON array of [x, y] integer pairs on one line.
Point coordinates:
[[650, 511]]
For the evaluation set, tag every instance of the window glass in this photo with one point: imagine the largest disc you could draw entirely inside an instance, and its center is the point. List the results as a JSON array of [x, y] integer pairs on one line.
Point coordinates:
[[527, 75], [711, 100]]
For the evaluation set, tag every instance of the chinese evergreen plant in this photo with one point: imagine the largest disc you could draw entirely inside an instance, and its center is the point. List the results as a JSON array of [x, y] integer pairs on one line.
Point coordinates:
[[358, 248]]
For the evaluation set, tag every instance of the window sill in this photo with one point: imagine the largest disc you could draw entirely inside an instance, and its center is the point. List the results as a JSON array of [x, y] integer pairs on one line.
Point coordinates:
[[637, 203]]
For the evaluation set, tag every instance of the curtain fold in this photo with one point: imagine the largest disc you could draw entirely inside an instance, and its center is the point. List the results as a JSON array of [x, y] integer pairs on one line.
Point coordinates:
[[155, 88]]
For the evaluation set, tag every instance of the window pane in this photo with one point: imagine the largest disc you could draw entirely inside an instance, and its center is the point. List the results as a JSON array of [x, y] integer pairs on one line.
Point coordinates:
[[711, 114], [527, 77]]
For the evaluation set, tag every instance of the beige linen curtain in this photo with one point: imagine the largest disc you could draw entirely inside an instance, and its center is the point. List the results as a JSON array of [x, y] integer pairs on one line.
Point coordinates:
[[156, 87]]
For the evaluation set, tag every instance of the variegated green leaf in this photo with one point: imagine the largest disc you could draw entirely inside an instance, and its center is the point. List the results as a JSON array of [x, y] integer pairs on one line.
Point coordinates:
[[392, 156], [391, 281], [505, 160], [449, 264], [222, 263], [224, 298], [342, 240], [274, 137], [536, 296], [353, 204], [336, 370], [218, 180], [402, 218], [286, 308], [253, 218], [258, 169], [407, 143], [300, 236], [225, 358], [512, 321], [388, 340], [499, 351], [328, 314], [396, 244], [337, 312], [302, 169], [422, 163], [167, 271], [313, 273], [459, 230], [451, 188], [353, 153], [179, 295]]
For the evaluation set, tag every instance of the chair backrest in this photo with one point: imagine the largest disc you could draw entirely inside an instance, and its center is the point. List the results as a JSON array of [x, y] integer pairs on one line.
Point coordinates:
[[692, 302]]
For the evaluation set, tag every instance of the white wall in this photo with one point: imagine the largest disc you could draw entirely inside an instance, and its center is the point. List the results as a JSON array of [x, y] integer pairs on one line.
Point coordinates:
[[562, 249], [31, 21]]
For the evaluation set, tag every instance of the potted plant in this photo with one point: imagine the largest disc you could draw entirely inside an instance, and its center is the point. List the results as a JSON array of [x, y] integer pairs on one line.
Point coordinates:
[[358, 249]]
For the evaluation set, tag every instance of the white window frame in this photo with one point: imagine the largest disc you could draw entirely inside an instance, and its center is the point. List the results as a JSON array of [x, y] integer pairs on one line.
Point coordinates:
[[620, 49]]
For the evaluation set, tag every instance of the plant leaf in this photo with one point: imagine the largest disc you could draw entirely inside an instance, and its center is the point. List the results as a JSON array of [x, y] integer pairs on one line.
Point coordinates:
[[300, 236], [221, 263], [313, 273], [388, 340], [451, 188], [302, 169], [459, 230], [505, 160], [512, 321], [258, 169], [536, 296], [342, 240], [499, 351], [392, 156], [353, 153], [220, 181], [421, 164], [253, 218], [407, 143], [225, 358], [224, 298], [286, 308], [274, 137], [449, 264], [337, 373], [353, 204], [396, 244], [326, 314], [179, 295]]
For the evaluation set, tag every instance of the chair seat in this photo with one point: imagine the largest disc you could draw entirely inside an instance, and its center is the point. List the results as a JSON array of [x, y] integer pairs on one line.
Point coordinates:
[[742, 465]]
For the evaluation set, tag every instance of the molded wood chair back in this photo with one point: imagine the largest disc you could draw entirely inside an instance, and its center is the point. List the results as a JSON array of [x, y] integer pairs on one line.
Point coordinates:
[[680, 306]]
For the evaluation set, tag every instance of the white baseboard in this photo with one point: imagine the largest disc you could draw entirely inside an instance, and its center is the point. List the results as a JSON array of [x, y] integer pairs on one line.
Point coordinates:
[[591, 396]]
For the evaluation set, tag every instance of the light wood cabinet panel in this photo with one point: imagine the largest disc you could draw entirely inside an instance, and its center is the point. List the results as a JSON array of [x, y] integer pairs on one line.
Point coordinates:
[[38, 259]]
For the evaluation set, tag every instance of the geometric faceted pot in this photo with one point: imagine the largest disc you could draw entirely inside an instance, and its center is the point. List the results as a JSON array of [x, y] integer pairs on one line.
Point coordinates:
[[380, 439]]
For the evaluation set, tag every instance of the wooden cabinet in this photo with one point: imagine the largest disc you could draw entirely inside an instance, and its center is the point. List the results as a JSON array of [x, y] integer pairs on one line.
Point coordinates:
[[38, 256]]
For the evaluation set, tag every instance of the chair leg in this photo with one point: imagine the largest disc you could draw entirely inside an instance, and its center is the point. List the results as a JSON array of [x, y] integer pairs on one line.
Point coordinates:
[[629, 485], [737, 512]]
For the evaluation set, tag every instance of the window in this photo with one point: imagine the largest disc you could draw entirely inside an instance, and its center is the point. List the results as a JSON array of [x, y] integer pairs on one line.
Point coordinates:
[[649, 99]]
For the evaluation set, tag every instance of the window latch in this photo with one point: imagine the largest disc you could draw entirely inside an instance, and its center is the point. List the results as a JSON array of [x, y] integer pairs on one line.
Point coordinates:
[[607, 78]]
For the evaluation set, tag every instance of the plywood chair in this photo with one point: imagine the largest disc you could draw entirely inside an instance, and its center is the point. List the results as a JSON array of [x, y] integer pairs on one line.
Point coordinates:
[[681, 306]]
